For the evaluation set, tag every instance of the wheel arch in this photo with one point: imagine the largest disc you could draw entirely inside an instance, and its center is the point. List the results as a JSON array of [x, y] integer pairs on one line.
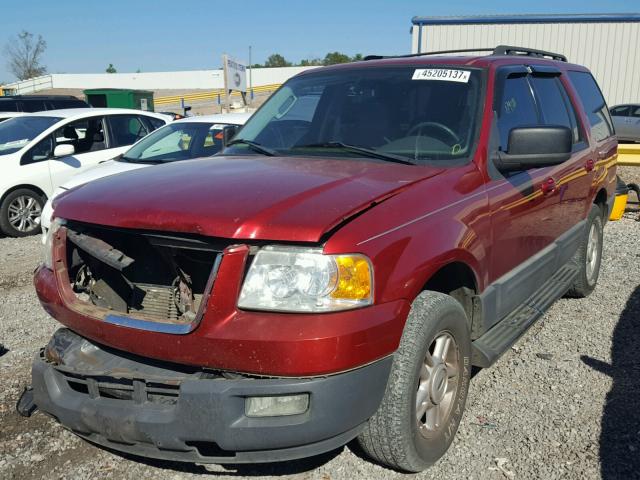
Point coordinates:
[[457, 279], [601, 200], [26, 186]]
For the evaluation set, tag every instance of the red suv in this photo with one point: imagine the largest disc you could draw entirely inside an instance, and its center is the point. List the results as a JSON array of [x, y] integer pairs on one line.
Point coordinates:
[[374, 231]]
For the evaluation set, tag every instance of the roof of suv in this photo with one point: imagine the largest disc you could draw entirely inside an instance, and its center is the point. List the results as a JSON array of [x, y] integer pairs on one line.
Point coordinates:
[[41, 97]]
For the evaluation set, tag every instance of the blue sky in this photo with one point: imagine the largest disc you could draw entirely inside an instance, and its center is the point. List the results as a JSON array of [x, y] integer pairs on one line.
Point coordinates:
[[160, 35]]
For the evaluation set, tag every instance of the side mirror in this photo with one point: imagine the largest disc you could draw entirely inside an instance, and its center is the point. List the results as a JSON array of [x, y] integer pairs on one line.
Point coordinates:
[[228, 132], [63, 150], [535, 147]]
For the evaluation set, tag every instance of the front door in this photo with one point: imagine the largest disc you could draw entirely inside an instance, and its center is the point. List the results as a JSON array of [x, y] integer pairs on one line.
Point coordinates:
[[87, 136], [529, 208]]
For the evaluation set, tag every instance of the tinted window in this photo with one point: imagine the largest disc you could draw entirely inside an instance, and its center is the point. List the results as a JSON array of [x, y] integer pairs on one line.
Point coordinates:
[[420, 114], [635, 111], [516, 108], [555, 107], [621, 111], [153, 122], [33, 105], [16, 133], [86, 135], [594, 105], [126, 130], [67, 103], [8, 106]]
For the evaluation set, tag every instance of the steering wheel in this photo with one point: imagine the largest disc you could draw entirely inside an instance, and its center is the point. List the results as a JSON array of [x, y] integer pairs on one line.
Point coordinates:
[[435, 126]]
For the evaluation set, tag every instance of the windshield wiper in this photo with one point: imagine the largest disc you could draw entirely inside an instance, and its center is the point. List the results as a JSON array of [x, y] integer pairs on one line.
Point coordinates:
[[256, 147], [367, 152]]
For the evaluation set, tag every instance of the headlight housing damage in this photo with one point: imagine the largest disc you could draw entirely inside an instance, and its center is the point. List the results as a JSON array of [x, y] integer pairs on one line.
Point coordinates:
[[296, 279]]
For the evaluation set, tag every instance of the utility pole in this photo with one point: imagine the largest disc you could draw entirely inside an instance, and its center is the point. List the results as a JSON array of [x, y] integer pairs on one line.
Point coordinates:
[[250, 79]]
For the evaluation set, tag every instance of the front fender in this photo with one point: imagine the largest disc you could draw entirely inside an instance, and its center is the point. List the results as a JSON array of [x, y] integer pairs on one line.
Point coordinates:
[[411, 236]]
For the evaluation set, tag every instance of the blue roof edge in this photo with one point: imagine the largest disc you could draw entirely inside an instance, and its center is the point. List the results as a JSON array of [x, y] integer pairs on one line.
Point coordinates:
[[519, 19]]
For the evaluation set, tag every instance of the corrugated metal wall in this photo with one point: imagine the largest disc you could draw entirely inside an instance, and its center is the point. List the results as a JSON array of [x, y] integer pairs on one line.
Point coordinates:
[[610, 50]]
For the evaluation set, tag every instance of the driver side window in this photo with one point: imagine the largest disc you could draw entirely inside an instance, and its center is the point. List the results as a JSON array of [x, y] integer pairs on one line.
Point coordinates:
[[516, 108]]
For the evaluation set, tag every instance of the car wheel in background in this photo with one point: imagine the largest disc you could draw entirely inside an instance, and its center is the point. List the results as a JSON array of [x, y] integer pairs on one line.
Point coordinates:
[[20, 213]]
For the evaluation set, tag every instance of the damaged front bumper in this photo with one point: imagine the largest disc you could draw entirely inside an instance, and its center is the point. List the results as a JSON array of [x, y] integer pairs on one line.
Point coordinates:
[[166, 411]]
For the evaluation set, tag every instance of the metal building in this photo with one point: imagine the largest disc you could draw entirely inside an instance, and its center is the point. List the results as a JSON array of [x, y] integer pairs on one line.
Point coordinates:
[[607, 44]]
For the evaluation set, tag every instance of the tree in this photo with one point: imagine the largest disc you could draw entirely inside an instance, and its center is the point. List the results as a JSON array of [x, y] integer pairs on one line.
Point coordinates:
[[357, 57], [336, 57], [24, 53], [310, 62], [276, 60], [111, 69]]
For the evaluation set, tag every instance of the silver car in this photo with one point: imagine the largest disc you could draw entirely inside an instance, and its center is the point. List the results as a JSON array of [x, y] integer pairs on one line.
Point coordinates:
[[626, 119]]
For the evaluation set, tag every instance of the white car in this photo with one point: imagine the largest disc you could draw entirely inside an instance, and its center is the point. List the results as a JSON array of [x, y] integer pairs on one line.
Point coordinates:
[[180, 140], [40, 151]]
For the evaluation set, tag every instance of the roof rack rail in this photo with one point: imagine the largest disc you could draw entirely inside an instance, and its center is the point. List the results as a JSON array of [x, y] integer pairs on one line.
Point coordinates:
[[532, 52], [499, 50]]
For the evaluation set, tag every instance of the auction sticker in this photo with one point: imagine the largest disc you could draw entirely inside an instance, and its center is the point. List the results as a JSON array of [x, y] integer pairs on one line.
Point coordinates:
[[442, 74]]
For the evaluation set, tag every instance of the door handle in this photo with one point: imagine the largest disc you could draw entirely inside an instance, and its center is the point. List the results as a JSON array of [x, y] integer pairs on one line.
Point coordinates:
[[589, 165], [548, 186], [602, 154]]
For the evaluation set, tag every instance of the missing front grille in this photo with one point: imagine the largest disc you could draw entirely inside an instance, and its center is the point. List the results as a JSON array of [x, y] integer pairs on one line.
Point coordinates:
[[146, 275]]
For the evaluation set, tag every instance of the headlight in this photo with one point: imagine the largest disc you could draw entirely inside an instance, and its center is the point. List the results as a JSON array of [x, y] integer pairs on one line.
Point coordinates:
[[292, 279], [48, 244]]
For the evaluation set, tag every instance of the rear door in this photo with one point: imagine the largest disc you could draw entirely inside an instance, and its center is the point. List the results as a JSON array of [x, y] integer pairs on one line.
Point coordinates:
[[603, 141], [620, 116]]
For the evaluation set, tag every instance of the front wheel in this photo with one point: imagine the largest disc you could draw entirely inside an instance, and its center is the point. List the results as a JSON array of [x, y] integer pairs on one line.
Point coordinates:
[[20, 213], [589, 256], [427, 389]]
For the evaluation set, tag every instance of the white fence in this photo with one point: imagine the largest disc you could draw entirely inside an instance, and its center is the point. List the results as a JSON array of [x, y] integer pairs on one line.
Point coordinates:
[[186, 80]]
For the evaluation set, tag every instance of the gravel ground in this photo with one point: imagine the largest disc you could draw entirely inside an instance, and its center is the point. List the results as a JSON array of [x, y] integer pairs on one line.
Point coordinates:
[[563, 403]]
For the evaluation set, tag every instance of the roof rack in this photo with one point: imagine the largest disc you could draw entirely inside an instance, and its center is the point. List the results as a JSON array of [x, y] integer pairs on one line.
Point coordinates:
[[499, 50], [531, 52]]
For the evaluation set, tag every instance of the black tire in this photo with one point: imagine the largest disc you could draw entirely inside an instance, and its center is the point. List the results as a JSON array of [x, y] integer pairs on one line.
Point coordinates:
[[393, 436], [5, 223], [587, 278]]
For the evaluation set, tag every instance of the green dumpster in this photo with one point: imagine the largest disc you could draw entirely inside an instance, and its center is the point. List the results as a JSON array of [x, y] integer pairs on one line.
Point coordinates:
[[120, 98]]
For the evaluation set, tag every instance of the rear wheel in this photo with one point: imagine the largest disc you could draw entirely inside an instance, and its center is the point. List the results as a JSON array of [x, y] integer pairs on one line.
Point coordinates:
[[20, 213], [427, 390], [589, 256]]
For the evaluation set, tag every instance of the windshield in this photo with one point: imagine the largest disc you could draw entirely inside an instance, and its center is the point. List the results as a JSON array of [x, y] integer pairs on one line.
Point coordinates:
[[177, 141], [17, 132], [417, 114]]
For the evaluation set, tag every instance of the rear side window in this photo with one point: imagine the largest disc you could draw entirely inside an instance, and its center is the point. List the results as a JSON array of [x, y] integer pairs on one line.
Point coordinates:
[[8, 106], [67, 103], [126, 130], [154, 122], [621, 111], [554, 103], [635, 111], [516, 109], [33, 106], [594, 105]]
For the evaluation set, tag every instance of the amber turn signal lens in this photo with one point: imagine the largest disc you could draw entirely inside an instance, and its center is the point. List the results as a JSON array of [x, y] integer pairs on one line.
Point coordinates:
[[354, 278]]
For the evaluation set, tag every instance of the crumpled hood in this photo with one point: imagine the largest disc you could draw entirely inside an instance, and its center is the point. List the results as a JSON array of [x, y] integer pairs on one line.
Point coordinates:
[[253, 197]]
